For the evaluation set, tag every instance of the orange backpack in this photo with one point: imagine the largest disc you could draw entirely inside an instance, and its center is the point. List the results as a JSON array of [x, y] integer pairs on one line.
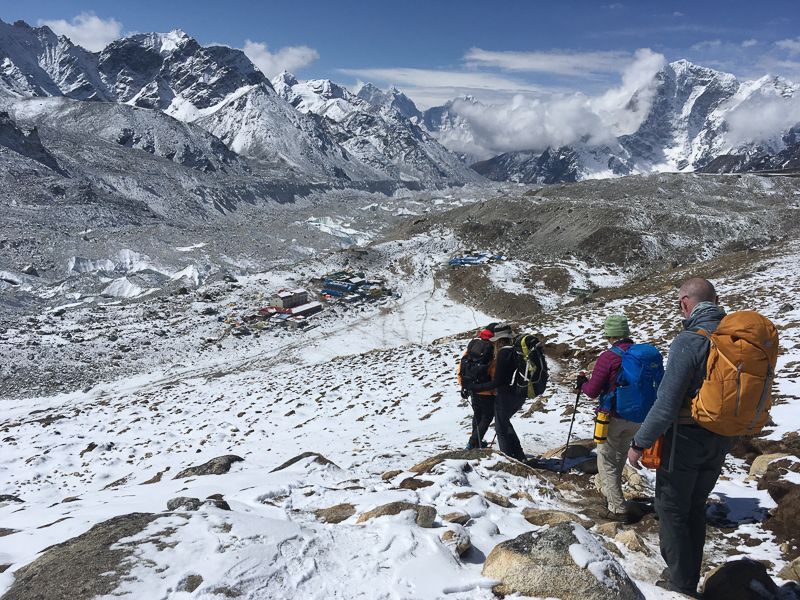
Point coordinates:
[[736, 394]]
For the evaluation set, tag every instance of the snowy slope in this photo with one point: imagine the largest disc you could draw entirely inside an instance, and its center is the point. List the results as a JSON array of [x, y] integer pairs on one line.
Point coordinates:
[[373, 393]]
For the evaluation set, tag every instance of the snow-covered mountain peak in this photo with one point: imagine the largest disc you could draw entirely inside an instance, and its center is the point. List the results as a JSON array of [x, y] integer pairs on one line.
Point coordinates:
[[372, 94], [285, 78]]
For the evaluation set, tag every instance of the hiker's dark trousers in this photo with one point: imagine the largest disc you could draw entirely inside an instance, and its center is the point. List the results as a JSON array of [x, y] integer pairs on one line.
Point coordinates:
[[482, 415], [682, 490], [504, 408]]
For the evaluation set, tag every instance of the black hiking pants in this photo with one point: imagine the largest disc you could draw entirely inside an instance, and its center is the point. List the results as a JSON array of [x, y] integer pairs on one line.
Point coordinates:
[[681, 495], [504, 408], [482, 415]]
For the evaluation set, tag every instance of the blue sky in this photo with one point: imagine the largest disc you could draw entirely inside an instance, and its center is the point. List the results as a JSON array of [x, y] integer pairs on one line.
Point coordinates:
[[435, 50]]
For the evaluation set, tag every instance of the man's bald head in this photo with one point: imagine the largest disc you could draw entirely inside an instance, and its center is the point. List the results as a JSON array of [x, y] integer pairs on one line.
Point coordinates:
[[698, 290]]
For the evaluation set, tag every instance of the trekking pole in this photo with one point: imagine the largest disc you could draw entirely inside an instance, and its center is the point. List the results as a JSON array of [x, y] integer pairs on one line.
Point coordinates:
[[569, 435], [493, 439]]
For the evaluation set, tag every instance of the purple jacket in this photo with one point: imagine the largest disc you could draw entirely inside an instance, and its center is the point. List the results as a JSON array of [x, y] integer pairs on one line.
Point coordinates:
[[605, 370]]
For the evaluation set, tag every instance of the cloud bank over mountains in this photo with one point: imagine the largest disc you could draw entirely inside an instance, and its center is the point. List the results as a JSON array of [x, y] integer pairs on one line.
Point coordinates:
[[290, 58], [559, 119], [87, 30]]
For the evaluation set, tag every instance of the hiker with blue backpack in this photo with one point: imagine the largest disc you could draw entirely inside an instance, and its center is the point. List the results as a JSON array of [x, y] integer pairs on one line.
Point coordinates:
[[625, 378]]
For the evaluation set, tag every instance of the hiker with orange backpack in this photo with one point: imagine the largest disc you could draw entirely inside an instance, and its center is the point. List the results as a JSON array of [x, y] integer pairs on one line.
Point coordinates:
[[621, 408], [716, 385]]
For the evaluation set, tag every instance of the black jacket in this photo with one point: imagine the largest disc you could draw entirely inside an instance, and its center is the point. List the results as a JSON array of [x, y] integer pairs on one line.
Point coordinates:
[[503, 373]]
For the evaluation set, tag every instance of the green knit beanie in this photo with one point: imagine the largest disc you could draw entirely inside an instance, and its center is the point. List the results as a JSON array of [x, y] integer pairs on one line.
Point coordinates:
[[616, 326]]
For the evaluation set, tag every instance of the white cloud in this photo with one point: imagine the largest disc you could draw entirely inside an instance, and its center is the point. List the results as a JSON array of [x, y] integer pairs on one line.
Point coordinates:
[[580, 64], [793, 46], [535, 123], [761, 115], [614, 107], [677, 13], [290, 58], [748, 43], [707, 45], [452, 80], [87, 30]]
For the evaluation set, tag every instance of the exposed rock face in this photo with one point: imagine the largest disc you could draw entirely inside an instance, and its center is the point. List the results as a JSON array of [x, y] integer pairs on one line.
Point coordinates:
[[577, 449], [498, 499], [475, 454], [412, 483], [75, 569], [565, 562], [318, 459], [791, 571], [191, 504], [512, 467], [425, 514], [336, 514], [743, 579], [459, 518], [457, 540], [633, 541], [535, 516], [760, 464], [216, 466], [183, 502]]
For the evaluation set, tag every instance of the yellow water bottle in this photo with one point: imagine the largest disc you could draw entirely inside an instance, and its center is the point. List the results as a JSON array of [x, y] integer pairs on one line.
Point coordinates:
[[601, 423]]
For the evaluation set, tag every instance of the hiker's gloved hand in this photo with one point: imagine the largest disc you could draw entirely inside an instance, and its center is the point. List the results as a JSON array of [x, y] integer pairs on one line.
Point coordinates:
[[464, 393], [580, 381]]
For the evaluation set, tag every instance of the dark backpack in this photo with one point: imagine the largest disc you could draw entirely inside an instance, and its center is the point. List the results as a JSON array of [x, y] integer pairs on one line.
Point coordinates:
[[530, 377], [475, 363], [638, 380]]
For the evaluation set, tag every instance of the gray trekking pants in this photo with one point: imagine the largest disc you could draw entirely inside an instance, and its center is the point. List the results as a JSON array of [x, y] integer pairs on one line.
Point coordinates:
[[681, 495], [611, 458]]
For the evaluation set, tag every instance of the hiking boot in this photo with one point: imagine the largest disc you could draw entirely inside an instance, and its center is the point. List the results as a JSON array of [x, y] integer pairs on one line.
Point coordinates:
[[610, 515]]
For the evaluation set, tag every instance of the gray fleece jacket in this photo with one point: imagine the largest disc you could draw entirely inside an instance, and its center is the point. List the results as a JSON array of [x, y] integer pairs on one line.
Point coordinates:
[[684, 374]]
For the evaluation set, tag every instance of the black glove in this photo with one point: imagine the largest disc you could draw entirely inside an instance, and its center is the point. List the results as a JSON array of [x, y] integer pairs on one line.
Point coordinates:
[[580, 381], [464, 393]]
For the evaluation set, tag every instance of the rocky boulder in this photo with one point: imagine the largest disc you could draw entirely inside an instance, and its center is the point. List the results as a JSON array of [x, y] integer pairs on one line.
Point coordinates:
[[534, 516], [761, 463], [318, 458], [457, 540], [791, 571], [216, 466], [82, 567], [503, 463], [743, 579], [335, 514], [424, 518], [565, 561], [577, 449]]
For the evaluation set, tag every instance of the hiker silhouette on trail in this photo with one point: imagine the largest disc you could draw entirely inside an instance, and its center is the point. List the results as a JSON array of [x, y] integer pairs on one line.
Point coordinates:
[[506, 402], [618, 431], [697, 416], [477, 366]]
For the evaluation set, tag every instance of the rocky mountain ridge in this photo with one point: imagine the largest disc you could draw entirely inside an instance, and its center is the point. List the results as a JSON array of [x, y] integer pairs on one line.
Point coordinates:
[[217, 88], [695, 115]]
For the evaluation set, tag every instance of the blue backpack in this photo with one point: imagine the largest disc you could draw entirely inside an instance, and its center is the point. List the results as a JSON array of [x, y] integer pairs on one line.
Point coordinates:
[[637, 382]]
